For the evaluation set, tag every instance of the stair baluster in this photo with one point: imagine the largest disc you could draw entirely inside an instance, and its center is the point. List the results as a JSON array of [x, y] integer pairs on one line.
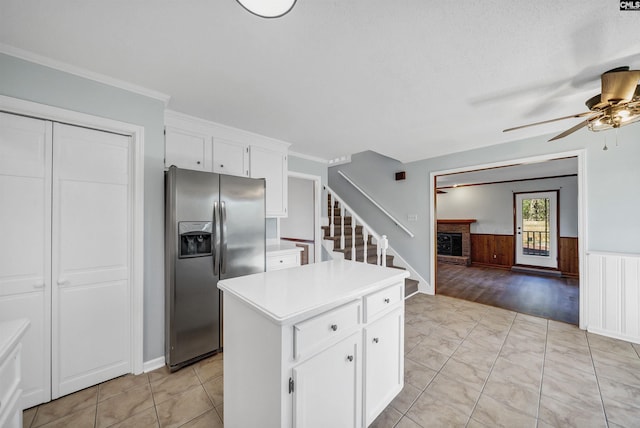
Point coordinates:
[[365, 238], [353, 239], [333, 219], [383, 245], [342, 211]]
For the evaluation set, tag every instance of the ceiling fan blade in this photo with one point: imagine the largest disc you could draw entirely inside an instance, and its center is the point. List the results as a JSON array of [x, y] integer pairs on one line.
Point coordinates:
[[586, 113], [577, 127], [619, 86]]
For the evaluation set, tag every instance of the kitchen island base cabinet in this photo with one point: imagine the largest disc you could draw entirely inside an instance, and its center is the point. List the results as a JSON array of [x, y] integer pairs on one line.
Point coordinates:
[[319, 345], [384, 362], [317, 401]]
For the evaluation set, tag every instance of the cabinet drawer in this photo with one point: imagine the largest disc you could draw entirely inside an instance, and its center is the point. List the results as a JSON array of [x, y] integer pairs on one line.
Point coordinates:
[[282, 261], [319, 332], [9, 378], [381, 300]]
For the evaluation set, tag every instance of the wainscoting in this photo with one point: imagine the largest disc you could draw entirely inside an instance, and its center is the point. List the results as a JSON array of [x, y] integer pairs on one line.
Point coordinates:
[[492, 250], [613, 295], [498, 251]]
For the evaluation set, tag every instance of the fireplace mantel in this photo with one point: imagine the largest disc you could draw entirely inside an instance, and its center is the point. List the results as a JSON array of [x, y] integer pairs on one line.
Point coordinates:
[[456, 221]]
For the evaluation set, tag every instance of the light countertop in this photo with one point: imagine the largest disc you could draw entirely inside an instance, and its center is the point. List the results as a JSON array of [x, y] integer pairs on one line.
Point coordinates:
[[10, 333], [288, 295], [279, 247]]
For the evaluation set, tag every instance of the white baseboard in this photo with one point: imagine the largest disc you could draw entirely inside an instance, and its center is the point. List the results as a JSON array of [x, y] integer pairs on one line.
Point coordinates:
[[614, 335], [423, 284], [151, 365]]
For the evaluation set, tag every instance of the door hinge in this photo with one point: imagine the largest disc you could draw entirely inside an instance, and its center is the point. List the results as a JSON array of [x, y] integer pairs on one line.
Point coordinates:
[[290, 385]]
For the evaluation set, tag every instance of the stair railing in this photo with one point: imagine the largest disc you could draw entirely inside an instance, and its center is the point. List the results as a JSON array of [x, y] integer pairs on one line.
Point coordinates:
[[380, 207], [382, 243]]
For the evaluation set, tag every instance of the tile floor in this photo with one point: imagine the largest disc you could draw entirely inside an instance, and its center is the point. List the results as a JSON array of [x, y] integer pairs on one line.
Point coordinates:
[[466, 364]]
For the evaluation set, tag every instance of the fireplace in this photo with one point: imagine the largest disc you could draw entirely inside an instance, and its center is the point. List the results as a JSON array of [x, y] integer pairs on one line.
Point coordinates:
[[449, 244], [454, 241]]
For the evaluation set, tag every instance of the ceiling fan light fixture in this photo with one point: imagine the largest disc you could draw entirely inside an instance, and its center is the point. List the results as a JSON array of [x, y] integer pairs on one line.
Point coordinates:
[[268, 8]]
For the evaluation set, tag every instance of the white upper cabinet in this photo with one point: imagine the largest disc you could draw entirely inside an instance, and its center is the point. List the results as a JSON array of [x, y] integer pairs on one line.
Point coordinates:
[[230, 157], [193, 143], [187, 149]]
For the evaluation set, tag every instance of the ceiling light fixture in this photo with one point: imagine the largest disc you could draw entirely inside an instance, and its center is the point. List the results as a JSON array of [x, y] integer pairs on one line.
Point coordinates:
[[268, 8]]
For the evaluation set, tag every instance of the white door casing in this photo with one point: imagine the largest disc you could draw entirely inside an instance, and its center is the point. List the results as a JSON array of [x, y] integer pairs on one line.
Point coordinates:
[[25, 252], [136, 252], [91, 312], [537, 247]]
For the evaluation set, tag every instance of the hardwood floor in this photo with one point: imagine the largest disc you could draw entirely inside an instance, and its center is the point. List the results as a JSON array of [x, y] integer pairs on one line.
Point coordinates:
[[547, 297]]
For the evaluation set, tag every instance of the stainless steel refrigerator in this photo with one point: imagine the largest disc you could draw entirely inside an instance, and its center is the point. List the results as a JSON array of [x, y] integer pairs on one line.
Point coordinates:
[[214, 229]]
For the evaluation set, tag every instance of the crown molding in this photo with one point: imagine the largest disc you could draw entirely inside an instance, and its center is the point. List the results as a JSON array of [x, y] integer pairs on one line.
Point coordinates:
[[81, 72], [308, 157]]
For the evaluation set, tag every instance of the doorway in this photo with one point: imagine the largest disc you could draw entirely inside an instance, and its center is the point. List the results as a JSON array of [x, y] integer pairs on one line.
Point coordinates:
[[494, 240], [302, 225], [536, 229]]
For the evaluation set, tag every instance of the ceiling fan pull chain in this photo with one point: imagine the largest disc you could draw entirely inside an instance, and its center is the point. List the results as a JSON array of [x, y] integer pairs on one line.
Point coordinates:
[[616, 137], [605, 148]]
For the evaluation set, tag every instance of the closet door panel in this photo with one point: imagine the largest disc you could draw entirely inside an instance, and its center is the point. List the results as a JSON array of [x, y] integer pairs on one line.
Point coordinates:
[[25, 250], [91, 258]]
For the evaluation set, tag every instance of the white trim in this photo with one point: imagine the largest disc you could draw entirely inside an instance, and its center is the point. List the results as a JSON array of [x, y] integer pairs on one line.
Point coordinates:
[[81, 72], [308, 157], [154, 364], [317, 191], [611, 254], [28, 108], [582, 215]]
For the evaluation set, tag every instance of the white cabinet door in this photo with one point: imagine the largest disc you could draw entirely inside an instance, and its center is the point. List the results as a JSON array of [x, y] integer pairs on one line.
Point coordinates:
[[230, 157], [272, 166], [328, 387], [91, 312], [186, 149], [384, 363], [25, 244]]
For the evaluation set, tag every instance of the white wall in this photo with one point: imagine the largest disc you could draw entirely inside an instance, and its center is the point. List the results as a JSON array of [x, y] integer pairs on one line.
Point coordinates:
[[300, 220], [492, 204]]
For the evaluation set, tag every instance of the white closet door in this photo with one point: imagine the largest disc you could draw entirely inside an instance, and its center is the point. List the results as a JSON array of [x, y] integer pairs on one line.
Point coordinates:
[[25, 244], [91, 253]]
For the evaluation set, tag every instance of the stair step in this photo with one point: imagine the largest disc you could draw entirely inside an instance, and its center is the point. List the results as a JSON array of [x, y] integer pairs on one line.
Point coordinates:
[[348, 239], [337, 230], [410, 286]]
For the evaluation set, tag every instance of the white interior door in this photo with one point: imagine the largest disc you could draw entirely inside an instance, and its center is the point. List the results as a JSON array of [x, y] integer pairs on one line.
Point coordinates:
[[537, 229], [91, 253], [25, 244]]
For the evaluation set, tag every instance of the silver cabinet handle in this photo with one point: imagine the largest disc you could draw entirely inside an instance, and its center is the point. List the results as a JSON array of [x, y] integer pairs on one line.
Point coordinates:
[[386, 300], [216, 237], [376, 340], [63, 281], [38, 285], [349, 358], [223, 256], [334, 327]]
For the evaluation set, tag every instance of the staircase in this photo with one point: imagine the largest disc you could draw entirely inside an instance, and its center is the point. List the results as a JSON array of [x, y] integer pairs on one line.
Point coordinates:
[[355, 242]]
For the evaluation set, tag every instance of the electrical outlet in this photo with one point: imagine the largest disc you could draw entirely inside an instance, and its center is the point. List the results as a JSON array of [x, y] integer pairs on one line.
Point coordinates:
[[412, 217]]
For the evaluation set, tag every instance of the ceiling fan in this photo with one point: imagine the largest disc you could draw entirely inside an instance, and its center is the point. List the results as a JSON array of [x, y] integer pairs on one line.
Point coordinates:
[[618, 104]]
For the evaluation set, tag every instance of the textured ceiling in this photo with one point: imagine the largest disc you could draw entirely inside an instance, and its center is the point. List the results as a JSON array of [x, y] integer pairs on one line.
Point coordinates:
[[410, 79]]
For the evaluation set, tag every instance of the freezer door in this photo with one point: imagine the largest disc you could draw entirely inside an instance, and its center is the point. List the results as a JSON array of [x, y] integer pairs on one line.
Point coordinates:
[[242, 204], [192, 295]]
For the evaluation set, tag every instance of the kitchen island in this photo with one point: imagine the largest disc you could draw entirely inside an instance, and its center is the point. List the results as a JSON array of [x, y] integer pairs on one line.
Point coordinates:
[[316, 345]]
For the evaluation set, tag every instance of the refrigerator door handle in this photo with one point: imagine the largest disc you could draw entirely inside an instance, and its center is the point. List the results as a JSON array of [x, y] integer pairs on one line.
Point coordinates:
[[216, 243], [223, 224]]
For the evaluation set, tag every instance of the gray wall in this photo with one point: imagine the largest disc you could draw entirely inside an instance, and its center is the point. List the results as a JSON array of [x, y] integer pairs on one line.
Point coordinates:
[[492, 204], [612, 181], [32, 82]]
